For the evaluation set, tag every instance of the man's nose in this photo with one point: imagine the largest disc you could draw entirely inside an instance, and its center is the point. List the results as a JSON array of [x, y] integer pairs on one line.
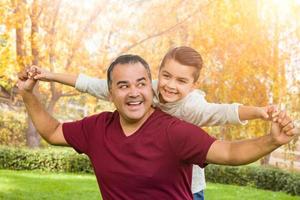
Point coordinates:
[[134, 92]]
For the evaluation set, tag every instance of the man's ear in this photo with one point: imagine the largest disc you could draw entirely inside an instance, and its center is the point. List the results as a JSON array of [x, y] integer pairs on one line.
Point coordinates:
[[109, 96]]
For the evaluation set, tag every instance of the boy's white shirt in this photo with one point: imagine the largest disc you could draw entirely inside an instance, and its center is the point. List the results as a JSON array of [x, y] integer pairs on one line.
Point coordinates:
[[193, 109]]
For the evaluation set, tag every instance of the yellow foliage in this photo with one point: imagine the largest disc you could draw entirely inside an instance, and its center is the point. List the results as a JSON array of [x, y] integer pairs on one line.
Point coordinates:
[[236, 39]]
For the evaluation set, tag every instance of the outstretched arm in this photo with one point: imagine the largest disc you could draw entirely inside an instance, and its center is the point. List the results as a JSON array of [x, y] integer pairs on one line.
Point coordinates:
[[253, 112], [42, 74], [47, 126], [247, 151], [198, 111], [83, 83]]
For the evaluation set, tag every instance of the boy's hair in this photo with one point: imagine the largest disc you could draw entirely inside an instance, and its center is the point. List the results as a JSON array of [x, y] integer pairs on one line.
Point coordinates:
[[126, 59], [185, 56]]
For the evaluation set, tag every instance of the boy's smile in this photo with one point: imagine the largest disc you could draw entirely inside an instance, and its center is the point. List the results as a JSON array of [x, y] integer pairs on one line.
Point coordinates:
[[175, 81]]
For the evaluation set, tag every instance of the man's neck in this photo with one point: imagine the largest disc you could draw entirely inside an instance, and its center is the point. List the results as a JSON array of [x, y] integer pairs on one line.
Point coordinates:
[[131, 126]]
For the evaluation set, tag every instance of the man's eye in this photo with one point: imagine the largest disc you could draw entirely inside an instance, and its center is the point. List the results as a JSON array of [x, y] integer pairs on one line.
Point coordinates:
[[166, 76], [141, 84], [123, 86]]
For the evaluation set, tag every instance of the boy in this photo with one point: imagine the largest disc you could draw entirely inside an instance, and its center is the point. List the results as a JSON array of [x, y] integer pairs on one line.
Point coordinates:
[[175, 94]]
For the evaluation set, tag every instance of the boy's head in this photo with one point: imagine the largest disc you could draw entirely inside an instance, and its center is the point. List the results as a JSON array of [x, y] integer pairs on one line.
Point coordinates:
[[178, 73]]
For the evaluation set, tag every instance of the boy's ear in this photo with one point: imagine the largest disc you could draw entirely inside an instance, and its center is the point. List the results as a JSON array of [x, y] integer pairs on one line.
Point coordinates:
[[194, 85]]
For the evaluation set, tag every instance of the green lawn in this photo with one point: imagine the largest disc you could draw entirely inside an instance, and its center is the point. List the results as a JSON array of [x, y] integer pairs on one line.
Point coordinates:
[[27, 185]]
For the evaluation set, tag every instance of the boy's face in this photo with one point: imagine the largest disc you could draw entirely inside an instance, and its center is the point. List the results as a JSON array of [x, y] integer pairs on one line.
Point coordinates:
[[175, 81]]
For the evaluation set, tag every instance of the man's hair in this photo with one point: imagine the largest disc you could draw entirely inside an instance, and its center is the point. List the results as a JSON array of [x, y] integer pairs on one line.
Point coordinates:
[[126, 59], [185, 56]]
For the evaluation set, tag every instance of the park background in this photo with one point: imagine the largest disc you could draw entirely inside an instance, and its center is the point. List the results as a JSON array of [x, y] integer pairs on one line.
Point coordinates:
[[250, 48]]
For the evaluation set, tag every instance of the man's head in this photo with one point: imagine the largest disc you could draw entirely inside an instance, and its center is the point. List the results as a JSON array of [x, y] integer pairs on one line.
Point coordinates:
[[126, 59], [178, 73], [130, 87]]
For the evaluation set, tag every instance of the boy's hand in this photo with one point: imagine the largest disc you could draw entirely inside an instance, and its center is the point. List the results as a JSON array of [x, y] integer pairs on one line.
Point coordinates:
[[38, 73], [267, 112]]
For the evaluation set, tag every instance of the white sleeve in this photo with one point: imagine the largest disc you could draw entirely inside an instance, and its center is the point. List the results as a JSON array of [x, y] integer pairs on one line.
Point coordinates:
[[198, 111], [94, 86]]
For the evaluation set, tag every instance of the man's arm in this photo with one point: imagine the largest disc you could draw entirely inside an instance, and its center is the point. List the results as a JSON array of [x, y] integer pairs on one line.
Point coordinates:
[[239, 152], [247, 151], [47, 126]]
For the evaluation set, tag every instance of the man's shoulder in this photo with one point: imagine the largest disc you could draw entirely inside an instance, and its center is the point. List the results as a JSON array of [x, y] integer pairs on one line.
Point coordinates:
[[158, 113], [103, 116], [166, 119]]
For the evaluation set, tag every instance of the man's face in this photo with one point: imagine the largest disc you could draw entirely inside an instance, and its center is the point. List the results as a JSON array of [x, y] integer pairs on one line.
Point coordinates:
[[131, 92], [175, 81]]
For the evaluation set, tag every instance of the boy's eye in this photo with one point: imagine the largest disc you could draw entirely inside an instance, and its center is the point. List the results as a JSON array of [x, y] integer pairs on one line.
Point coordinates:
[[182, 81], [166, 75]]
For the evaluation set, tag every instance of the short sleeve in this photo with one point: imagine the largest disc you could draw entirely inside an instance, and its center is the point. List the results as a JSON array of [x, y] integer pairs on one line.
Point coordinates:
[[79, 133], [189, 142]]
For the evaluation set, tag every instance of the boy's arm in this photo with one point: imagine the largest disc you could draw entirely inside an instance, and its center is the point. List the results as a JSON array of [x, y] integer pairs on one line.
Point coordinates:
[[42, 74], [93, 86], [83, 83], [198, 111], [253, 112], [247, 151]]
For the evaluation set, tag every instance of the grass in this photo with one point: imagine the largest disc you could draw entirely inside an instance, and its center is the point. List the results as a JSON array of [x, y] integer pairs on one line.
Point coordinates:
[[28, 185], [232, 192]]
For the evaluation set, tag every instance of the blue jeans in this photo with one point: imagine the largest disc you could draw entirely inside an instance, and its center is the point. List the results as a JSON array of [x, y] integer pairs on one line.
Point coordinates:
[[199, 195]]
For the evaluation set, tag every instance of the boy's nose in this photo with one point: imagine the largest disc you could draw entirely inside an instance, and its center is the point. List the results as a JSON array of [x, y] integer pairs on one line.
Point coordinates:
[[171, 84]]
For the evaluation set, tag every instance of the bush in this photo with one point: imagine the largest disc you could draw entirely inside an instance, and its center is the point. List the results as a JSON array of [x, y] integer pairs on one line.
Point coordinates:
[[67, 160], [259, 177], [51, 159], [12, 126]]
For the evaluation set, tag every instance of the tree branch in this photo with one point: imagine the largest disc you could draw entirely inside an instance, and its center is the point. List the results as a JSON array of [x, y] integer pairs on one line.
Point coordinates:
[[173, 27], [69, 94]]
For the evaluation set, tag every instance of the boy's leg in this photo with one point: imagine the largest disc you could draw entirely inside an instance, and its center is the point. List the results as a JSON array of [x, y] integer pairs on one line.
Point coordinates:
[[199, 195]]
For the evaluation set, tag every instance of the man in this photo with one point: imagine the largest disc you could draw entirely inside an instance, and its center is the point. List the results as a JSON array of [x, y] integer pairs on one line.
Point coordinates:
[[139, 152]]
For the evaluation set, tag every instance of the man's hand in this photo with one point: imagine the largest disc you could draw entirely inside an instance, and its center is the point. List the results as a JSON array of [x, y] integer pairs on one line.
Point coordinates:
[[25, 83], [283, 129]]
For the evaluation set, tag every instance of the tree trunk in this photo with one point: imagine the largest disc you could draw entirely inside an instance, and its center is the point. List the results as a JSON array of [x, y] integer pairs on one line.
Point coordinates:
[[33, 138], [265, 160], [20, 48]]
